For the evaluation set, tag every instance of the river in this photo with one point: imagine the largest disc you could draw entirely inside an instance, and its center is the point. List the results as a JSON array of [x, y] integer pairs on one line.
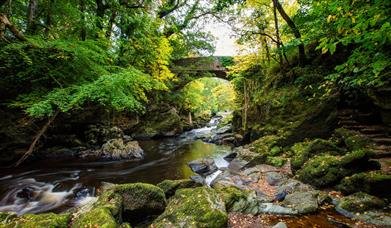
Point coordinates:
[[59, 184]]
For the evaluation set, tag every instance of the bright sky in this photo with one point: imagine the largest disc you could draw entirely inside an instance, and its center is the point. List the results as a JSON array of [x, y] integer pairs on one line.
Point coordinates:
[[225, 44]]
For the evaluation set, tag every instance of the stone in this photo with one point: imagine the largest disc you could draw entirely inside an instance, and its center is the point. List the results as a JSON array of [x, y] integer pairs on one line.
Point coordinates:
[[105, 212], [327, 170], [223, 130], [275, 178], [374, 183], [196, 207], [203, 167], [198, 179], [171, 186], [280, 225], [276, 209], [118, 149], [302, 202], [10, 220], [140, 199], [230, 156], [360, 202]]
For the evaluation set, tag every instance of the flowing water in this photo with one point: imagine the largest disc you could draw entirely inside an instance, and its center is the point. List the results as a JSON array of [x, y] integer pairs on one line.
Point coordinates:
[[56, 185]]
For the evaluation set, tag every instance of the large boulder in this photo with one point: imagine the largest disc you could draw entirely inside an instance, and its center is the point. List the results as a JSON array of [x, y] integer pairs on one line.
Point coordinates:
[[327, 170], [198, 207], [374, 183], [10, 220], [159, 121], [360, 202], [141, 200], [105, 212], [118, 149], [171, 186]]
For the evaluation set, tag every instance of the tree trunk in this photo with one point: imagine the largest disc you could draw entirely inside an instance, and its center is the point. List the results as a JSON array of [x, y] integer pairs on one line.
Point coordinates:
[[277, 31], [245, 106], [295, 31], [5, 23], [190, 119], [36, 139], [32, 9], [49, 17], [100, 13], [83, 32]]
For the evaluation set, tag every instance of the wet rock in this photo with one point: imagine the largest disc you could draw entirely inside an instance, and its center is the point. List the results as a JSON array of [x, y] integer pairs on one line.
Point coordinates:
[[303, 202], [37, 221], [198, 179], [276, 209], [374, 183], [98, 134], [223, 130], [198, 207], [171, 186], [280, 225], [231, 156], [106, 211], [352, 206], [203, 167], [118, 149]]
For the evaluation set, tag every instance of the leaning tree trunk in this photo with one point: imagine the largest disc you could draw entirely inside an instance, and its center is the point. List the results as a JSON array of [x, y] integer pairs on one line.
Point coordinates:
[[294, 29], [6, 24], [277, 32]]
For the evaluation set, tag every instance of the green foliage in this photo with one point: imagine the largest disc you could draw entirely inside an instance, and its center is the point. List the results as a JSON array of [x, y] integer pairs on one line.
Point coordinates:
[[208, 95], [362, 26]]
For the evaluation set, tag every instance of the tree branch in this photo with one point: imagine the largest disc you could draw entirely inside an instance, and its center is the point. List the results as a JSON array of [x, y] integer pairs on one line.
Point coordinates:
[[5, 23]]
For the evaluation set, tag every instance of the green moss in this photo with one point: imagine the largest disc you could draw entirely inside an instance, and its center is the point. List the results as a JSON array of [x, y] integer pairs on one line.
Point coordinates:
[[374, 183], [198, 207], [267, 145], [326, 170], [97, 217], [170, 186], [106, 212], [275, 161], [50, 220], [353, 140], [141, 196], [306, 150], [360, 202]]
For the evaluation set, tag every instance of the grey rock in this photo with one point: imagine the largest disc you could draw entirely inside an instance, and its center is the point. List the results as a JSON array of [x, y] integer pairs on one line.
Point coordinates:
[[203, 167], [303, 202], [276, 209], [117, 149], [275, 178], [280, 225]]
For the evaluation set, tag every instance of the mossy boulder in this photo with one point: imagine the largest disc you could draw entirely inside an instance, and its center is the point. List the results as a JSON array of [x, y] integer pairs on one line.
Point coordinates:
[[267, 145], [171, 186], [237, 200], [46, 220], [360, 202], [159, 121], [327, 170], [197, 207], [303, 151], [106, 212], [141, 200], [352, 140], [374, 183]]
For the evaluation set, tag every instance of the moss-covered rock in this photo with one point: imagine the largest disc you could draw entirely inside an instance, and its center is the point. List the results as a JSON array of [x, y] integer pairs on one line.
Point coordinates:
[[106, 212], [374, 183], [359, 202], [170, 186], [303, 151], [353, 140], [267, 145], [198, 207], [46, 220], [140, 199], [237, 200], [326, 170]]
